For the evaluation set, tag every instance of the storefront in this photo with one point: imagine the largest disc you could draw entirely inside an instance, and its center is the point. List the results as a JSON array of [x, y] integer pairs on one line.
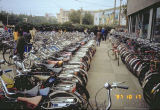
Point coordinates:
[[144, 18]]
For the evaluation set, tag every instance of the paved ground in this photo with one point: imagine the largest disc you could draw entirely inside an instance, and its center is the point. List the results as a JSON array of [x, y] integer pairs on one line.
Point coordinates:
[[105, 70]]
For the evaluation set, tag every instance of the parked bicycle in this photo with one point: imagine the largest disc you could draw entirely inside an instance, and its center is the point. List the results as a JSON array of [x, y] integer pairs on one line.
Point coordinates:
[[109, 87]]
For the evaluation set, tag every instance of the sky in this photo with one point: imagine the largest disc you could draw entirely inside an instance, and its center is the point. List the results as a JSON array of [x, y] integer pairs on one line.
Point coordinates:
[[40, 7]]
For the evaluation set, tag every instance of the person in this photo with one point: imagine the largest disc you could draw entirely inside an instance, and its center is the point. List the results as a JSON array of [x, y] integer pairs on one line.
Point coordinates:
[[9, 30], [33, 33], [6, 29], [15, 35], [20, 45], [112, 31], [98, 37], [103, 33], [27, 37]]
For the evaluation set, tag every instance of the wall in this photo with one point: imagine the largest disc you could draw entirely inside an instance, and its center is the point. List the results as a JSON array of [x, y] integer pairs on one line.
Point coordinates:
[[137, 5]]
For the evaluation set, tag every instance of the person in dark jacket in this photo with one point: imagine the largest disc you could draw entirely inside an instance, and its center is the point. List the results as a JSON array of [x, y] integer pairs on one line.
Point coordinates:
[[105, 34], [98, 37], [20, 46]]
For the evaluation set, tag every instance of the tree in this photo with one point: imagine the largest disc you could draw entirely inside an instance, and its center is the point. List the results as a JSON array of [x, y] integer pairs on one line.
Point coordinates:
[[124, 8], [88, 18], [74, 17]]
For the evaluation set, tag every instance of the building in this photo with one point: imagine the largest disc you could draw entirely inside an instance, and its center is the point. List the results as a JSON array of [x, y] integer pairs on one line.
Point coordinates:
[[101, 17], [106, 17], [144, 18], [63, 16]]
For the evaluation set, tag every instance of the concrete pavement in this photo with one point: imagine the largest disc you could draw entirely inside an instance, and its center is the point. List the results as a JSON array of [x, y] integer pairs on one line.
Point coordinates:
[[102, 70]]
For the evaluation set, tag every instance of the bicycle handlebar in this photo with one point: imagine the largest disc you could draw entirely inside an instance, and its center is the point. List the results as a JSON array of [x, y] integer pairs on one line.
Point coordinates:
[[109, 87], [115, 85], [122, 87]]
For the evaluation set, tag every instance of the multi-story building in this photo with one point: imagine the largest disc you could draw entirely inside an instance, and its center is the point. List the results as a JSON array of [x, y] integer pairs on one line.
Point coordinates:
[[106, 17], [101, 17], [144, 18], [63, 16]]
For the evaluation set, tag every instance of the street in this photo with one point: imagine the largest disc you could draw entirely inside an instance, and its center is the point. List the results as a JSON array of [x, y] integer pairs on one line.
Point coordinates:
[[105, 70]]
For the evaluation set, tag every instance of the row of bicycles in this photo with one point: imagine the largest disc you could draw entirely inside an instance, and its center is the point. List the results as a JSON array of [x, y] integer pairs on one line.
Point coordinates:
[[142, 58], [52, 75]]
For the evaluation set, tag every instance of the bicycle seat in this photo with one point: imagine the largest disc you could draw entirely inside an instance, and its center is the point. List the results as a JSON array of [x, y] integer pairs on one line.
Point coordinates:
[[31, 102], [32, 92], [2, 61], [56, 70], [47, 65], [52, 62], [72, 49], [54, 58]]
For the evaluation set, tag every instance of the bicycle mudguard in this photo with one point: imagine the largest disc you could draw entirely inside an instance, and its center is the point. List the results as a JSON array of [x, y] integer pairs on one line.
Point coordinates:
[[31, 92]]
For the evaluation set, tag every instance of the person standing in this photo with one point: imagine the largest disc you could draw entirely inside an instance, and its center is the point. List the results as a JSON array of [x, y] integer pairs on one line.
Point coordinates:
[[98, 37], [33, 34]]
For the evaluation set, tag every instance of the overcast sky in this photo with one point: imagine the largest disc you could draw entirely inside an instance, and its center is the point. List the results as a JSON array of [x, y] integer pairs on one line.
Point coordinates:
[[40, 7]]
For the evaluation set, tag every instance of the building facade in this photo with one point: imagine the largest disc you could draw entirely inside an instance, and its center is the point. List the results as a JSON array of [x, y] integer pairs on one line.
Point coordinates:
[[63, 16], [101, 17], [106, 17], [144, 18]]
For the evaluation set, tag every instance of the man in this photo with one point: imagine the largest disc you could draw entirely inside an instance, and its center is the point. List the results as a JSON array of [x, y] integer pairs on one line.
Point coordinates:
[[103, 33], [33, 33], [20, 46], [98, 38]]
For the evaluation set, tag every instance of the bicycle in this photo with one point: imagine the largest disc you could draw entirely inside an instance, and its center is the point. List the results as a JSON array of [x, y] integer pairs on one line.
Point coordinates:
[[40, 98], [8, 51], [109, 87], [114, 53]]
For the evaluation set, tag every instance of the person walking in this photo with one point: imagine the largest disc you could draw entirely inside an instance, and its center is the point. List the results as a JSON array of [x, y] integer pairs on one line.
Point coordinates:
[[105, 35], [20, 45], [98, 37]]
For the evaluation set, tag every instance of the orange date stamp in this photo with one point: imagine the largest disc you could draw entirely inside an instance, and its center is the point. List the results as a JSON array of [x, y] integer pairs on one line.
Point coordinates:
[[129, 96]]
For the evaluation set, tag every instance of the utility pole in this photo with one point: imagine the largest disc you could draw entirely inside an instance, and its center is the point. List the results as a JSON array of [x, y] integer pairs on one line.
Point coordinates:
[[81, 16], [7, 18], [120, 13], [114, 11]]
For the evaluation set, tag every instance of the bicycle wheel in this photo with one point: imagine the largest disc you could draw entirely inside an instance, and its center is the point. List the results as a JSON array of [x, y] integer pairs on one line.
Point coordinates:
[[61, 100], [112, 55], [7, 55]]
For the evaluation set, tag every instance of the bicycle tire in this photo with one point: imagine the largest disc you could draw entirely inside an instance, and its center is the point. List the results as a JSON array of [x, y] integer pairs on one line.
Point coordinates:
[[8, 59]]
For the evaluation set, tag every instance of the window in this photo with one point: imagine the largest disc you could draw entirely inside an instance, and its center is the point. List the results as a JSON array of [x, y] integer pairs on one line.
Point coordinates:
[[157, 25], [145, 23], [133, 23]]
